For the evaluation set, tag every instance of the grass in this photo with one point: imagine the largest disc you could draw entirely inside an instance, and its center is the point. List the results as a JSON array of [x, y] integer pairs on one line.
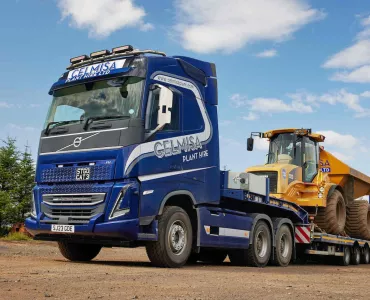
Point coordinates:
[[16, 236]]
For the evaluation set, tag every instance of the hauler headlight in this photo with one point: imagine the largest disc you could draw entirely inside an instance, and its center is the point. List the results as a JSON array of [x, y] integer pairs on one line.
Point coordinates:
[[117, 211], [123, 49], [33, 207], [78, 59], [99, 53]]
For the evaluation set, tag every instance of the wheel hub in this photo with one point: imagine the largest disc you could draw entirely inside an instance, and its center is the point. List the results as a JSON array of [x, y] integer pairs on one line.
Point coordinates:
[[284, 246], [261, 243], [177, 237]]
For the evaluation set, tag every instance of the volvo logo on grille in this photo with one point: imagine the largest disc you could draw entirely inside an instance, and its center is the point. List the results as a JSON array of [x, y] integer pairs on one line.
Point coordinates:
[[77, 142]]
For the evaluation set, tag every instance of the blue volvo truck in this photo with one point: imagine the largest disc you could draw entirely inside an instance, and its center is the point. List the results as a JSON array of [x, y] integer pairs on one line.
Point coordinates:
[[129, 157]]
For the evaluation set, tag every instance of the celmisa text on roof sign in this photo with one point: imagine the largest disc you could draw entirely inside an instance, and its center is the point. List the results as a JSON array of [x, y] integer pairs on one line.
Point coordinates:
[[100, 69]]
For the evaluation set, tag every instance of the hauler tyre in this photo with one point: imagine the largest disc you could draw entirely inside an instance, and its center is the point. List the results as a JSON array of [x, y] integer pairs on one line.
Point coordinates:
[[365, 256], [345, 260], [258, 254], [355, 256], [78, 252], [174, 239], [358, 220], [284, 246], [332, 218]]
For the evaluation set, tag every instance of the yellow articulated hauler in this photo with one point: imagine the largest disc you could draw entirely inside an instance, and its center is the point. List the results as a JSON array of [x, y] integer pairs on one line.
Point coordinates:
[[301, 171]]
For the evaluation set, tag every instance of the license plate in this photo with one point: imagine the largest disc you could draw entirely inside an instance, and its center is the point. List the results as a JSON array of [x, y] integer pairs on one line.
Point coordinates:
[[63, 228], [83, 174]]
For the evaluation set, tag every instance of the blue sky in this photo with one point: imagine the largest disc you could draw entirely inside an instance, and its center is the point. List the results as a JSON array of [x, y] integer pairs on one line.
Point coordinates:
[[280, 63]]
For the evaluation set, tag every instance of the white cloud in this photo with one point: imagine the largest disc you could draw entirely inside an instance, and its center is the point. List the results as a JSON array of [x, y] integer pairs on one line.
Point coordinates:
[[365, 94], [4, 104], [103, 17], [342, 141], [360, 75], [251, 116], [273, 105], [238, 100], [351, 57], [342, 156], [267, 53], [355, 58], [20, 127], [217, 25]]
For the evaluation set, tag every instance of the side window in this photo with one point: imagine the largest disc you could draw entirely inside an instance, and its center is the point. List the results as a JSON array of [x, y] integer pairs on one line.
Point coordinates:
[[152, 112], [310, 160]]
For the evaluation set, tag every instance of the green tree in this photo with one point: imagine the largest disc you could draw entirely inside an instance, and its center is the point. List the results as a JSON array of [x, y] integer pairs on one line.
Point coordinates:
[[17, 174]]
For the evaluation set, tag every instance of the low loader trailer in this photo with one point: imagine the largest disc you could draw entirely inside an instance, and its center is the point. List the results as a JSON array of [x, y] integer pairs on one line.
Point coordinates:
[[129, 157]]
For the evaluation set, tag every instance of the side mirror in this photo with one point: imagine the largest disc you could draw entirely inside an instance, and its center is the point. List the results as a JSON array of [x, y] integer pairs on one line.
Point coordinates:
[[164, 106], [250, 143]]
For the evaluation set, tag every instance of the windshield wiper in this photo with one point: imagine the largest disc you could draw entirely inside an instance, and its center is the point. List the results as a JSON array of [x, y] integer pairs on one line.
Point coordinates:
[[47, 130], [92, 119]]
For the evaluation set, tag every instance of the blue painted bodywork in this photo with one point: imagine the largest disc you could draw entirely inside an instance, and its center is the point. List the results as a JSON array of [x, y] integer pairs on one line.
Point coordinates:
[[152, 178]]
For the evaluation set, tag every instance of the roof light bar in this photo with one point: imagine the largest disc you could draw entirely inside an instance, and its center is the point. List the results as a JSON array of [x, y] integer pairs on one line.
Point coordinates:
[[78, 59], [122, 49], [99, 53]]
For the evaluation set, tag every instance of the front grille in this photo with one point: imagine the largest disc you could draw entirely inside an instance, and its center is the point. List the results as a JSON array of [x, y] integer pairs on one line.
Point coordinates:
[[272, 176], [71, 212], [68, 173], [78, 188], [73, 199]]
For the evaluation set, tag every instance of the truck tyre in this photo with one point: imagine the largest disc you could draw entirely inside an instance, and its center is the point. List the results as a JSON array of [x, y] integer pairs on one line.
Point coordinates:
[[258, 254], [332, 218], [174, 239], [358, 220], [78, 252], [346, 258], [365, 256], [284, 246], [355, 256]]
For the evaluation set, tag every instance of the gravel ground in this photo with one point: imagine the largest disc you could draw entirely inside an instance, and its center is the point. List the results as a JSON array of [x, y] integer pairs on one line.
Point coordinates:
[[36, 270]]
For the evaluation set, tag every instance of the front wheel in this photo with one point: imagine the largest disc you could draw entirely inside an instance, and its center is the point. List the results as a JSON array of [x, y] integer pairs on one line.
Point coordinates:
[[78, 252], [174, 239]]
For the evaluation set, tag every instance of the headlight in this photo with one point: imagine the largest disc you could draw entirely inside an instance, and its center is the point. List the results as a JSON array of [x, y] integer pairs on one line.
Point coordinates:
[[117, 211], [322, 189], [33, 207]]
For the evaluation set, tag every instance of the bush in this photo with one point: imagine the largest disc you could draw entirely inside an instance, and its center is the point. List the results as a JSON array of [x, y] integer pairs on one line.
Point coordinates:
[[16, 236]]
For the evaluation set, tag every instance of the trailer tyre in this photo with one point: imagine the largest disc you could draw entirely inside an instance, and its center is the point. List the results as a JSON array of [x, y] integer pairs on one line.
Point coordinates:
[[284, 246], [78, 252], [345, 260], [358, 220], [258, 254], [365, 256], [332, 218], [356, 256], [174, 239]]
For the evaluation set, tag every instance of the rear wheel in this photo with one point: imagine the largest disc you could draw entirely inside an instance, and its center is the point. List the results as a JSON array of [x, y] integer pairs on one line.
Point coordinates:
[[358, 220], [365, 256], [78, 252], [174, 239], [332, 218], [355, 256], [284, 246], [346, 258], [258, 254]]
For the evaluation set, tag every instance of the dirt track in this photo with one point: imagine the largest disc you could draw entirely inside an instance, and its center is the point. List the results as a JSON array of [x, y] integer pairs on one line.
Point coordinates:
[[35, 270]]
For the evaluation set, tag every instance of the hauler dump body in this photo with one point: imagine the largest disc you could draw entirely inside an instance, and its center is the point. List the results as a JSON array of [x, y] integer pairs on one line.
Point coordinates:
[[129, 156]]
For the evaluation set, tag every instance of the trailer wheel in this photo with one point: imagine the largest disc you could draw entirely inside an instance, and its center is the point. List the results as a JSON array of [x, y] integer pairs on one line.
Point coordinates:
[[284, 246], [174, 239], [78, 252], [332, 218], [356, 256], [365, 256], [258, 254], [346, 258]]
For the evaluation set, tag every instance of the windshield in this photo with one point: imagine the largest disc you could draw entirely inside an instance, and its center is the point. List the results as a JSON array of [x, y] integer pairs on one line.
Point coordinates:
[[282, 150], [115, 97]]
